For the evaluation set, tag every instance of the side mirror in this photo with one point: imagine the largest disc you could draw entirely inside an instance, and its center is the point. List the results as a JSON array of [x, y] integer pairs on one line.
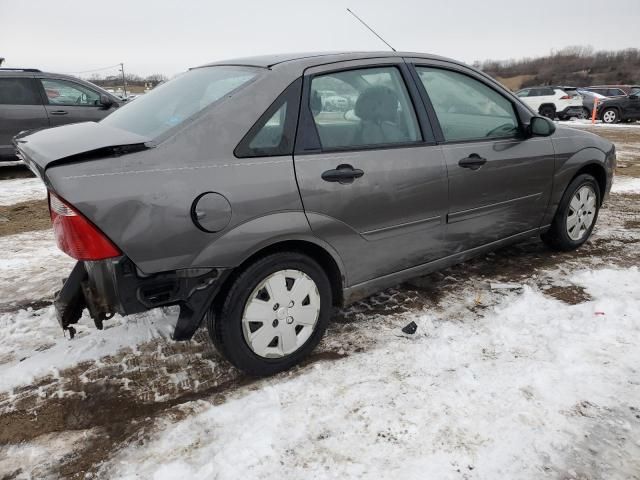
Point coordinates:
[[105, 101], [633, 96], [541, 127]]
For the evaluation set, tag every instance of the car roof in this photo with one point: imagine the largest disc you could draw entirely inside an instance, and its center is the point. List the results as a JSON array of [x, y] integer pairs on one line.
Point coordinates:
[[311, 58]]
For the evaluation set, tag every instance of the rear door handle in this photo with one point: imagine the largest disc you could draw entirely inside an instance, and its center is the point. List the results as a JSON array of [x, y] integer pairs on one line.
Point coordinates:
[[473, 161], [343, 174], [58, 112]]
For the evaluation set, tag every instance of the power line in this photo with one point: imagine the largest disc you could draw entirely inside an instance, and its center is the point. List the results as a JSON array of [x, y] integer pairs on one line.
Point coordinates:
[[98, 69]]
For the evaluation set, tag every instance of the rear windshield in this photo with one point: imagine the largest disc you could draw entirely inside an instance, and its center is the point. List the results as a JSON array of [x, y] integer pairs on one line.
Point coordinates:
[[171, 103]]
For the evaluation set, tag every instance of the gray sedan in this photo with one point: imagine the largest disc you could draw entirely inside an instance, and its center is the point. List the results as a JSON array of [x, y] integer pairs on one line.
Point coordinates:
[[239, 193]]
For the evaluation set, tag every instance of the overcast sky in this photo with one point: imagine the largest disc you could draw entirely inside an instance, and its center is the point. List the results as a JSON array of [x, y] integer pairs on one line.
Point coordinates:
[[168, 36]]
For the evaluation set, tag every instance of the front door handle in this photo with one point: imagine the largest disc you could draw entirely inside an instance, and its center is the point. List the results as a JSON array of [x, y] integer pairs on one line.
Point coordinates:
[[473, 161], [58, 112], [342, 174]]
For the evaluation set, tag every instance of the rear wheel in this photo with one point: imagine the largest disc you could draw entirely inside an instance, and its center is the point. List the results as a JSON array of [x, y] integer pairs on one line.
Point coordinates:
[[548, 111], [586, 114], [610, 115], [576, 215], [273, 315]]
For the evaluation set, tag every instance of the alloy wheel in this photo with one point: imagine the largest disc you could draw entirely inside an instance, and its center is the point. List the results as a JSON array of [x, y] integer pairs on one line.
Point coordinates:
[[609, 116], [281, 314]]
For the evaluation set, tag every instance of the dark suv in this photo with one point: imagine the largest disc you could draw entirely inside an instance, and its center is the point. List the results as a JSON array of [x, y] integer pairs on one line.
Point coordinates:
[[620, 109], [31, 99], [239, 193]]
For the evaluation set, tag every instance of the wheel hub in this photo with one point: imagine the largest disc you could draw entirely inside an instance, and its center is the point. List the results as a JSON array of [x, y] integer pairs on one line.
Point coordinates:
[[281, 313]]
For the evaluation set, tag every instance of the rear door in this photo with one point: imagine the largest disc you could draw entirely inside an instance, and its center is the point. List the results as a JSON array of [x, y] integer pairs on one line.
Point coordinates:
[[71, 102], [20, 109], [372, 180], [499, 181]]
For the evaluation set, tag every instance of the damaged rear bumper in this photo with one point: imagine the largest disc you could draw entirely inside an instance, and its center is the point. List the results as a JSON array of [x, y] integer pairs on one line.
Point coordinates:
[[115, 285]]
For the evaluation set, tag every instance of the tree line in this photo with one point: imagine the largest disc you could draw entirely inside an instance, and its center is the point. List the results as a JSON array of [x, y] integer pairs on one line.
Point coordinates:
[[131, 78], [575, 65]]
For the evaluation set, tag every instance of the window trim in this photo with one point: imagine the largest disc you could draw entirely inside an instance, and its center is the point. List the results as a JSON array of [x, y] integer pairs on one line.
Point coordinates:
[[46, 97], [291, 96], [414, 65], [308, 139]]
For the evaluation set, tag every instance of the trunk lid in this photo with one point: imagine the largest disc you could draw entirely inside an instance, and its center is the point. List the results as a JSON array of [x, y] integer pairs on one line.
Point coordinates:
[[43, 148]]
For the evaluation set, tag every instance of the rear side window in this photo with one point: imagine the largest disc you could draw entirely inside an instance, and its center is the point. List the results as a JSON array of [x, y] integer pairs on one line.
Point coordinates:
[[173, 102], [363, 107], [18, 91], [63, 92], [274, 133], [466, 108], [523, 93]]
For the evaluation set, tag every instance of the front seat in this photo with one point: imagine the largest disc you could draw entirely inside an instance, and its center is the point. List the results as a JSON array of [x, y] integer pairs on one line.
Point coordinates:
[[377, 108]]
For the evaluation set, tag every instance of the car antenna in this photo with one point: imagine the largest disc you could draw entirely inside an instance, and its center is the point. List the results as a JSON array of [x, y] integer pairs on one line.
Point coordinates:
[[371, 29]]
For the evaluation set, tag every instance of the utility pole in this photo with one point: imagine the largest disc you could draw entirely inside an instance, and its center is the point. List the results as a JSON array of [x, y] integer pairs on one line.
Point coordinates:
[[124, 82]]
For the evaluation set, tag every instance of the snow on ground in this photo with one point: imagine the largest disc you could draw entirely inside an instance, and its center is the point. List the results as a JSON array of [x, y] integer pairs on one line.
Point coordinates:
[[623, 184], [21, 189], [577, 122], [527, 391], [32, 344], [32, 267]]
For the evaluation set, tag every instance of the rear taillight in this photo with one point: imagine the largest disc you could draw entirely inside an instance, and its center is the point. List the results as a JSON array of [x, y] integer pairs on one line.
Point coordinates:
[[77, 236], [566, 97]]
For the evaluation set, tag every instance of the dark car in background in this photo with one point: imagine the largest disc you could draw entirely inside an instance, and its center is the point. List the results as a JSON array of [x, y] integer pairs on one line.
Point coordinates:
[[612, 90], [238, 193], [31, 99], [620, 109]]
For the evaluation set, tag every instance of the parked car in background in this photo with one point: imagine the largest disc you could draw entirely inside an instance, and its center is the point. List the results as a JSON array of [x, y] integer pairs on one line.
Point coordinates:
[[31, 99], [236, 196], [612, 90], [552, 102], [589, 100], [620, 109]]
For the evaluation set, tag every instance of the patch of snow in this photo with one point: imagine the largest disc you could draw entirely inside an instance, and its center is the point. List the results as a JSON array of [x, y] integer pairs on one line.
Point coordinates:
[[623, 184], [587, 123], [32, 344], [32, 267], [21, 190], [531, 389], [39, 458]]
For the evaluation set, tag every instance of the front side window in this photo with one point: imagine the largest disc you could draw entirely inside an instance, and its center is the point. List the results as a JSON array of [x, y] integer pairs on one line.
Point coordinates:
[[18, 91], [466, 108], [523, 93], [173, 102], [363, 107], [63, 92]]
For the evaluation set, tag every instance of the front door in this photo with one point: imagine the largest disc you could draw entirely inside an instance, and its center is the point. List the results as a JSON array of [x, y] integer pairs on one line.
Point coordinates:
[[372, 181], [70, 102], [499, 180], [20, 109]]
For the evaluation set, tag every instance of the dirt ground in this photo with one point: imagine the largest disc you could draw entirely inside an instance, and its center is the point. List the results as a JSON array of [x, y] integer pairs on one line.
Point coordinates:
[[115, 399]]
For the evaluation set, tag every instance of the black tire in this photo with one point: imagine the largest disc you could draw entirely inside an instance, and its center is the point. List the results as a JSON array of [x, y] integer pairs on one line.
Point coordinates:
[[586, 113], [557, 237], [225, 324], [548, 111], [611, 114]]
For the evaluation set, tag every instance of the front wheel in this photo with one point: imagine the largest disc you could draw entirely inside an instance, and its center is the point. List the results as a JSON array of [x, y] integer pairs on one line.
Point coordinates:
[[548, 111], [576, 215], [273, 315]]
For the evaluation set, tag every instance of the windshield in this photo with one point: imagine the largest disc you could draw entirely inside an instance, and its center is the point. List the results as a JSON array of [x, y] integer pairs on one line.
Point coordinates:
[[173, 102]]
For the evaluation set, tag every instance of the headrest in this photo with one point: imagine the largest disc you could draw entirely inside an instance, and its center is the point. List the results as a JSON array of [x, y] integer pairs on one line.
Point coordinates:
[[315, 102], [377, 104]]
